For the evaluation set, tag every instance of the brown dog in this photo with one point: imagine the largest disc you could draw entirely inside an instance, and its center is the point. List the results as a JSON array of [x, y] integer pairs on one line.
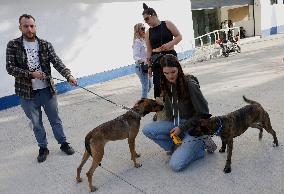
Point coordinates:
[[234, 124], [122, 127]]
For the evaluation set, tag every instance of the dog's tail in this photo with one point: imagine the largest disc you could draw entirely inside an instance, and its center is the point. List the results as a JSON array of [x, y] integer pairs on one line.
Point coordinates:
[[87, 143], [250, 101]]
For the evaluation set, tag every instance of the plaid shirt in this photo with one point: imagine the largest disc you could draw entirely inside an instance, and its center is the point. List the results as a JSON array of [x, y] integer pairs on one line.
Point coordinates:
[[17, 66]]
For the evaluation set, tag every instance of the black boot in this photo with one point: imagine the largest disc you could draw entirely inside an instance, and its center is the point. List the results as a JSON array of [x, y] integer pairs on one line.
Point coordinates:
[[67, 149], [43, 152]]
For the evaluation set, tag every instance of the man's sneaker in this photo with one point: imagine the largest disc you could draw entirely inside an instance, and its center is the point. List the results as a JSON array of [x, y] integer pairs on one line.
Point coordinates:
[[67, 149], [210, 146], [43, 152]]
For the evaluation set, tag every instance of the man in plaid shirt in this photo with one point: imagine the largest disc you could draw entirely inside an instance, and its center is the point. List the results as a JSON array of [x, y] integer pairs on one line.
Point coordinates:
[[28, 59]]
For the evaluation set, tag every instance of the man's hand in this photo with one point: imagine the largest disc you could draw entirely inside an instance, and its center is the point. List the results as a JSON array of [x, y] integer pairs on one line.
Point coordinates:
[[176, 131], [72, 81], [38, 75]]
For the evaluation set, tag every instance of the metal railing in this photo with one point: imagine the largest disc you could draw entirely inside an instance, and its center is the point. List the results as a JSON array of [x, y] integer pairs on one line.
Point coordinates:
[[216, 35], [205, 46]]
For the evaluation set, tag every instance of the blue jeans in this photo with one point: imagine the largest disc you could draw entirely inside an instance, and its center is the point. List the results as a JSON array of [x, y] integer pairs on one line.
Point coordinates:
[[189, 151], [32, 109], [145, 81]]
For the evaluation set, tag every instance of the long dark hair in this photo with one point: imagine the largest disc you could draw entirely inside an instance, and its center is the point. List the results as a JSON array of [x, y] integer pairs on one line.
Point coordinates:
[[148, 10], [170, 60]]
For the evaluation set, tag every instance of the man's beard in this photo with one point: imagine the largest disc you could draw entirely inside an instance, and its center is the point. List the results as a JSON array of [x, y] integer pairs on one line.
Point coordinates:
[[30, 37]]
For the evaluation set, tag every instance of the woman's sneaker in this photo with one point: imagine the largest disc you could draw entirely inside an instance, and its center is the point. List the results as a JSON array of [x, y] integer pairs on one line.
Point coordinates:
[[42, 154], [67, 149]]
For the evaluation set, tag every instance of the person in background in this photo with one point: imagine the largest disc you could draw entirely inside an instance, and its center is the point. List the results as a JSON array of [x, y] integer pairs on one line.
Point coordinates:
[[183, 103], [28, 59], [161, 38], [139, 56]]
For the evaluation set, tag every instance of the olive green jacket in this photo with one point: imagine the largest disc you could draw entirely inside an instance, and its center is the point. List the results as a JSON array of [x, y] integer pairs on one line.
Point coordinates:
[[188, 108]]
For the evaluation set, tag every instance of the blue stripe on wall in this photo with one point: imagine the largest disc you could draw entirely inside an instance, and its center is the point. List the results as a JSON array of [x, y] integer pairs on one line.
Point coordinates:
[[272, 30], [13, 100]]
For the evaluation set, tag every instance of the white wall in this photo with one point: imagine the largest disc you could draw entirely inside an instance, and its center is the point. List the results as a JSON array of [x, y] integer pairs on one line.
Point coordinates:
[[258, 16], [90, 36], [272, 15], [248, 25]]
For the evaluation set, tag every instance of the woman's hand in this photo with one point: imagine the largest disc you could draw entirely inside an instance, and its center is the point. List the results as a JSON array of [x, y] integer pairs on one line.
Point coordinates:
[[166, 47], [150, 71], [176, 131]]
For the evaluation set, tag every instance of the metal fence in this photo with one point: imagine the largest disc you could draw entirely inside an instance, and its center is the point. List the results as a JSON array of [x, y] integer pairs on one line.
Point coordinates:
[[205, 46]]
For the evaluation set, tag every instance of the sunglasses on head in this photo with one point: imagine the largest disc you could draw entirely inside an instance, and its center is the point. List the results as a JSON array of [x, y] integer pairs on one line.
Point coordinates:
[[146, 19], [142, 28]]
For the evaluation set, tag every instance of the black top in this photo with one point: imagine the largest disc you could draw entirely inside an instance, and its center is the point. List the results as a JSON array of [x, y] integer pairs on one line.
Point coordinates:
[[160, 35]]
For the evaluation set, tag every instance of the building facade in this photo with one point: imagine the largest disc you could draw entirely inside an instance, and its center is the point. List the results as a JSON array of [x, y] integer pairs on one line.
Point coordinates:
[[94, 38], [258, 17]]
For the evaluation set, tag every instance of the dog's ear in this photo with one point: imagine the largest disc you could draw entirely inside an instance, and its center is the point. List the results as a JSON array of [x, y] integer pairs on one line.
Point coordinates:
[[205, 115], [138, 102]]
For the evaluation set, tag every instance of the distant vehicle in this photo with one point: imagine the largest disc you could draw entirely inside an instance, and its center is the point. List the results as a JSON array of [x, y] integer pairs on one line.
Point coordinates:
[[228, 46]]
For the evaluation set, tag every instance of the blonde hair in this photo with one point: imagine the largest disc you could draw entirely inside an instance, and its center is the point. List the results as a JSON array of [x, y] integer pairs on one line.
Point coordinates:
[[136, 31]]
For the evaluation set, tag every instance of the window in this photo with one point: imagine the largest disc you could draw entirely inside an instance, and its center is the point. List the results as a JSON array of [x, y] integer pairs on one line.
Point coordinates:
[[239, 14], [274, 2]]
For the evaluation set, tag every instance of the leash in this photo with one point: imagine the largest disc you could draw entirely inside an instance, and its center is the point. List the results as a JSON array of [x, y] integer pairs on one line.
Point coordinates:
[[116, 175], [217, 133], [121, 106]]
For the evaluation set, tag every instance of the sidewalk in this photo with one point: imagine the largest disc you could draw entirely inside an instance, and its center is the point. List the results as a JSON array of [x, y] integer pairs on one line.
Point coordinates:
[[257, 167]]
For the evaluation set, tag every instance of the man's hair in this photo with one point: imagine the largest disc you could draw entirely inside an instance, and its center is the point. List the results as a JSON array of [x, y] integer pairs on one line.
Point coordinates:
[[25, 16], [148, 10]]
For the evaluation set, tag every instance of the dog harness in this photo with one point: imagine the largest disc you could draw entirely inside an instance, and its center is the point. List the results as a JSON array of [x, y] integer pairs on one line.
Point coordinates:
[[218, 131]]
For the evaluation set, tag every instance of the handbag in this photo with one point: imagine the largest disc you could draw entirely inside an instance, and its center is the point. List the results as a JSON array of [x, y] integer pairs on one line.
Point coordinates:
[[155, 59]]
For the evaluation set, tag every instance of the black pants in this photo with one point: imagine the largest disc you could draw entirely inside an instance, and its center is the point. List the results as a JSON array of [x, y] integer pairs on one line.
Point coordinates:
[[157, 74]]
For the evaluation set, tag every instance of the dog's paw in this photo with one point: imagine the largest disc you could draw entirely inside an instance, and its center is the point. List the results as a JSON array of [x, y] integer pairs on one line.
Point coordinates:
[[227, 169], [138, 165], [79, 179], [137, 155], [222, 150], [275, 145], [93, 189]]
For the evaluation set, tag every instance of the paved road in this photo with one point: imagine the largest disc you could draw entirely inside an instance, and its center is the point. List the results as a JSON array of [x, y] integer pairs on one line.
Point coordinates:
[[257, 167]]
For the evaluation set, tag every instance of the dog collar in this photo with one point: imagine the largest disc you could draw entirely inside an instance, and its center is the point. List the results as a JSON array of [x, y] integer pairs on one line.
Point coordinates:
[[136, 114], [218, 131]]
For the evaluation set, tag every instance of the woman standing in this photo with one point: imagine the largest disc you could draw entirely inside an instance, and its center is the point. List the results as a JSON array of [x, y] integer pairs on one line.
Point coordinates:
[[183, 103], [139, 55], [160, 39]]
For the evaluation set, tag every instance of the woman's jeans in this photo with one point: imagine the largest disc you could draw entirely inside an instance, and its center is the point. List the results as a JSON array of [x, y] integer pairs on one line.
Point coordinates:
[[32, 108], [145, 81], [190, 150]]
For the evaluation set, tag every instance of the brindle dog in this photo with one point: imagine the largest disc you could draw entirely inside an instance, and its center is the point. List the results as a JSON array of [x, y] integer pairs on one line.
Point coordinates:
[[122, 127], [234, 124]]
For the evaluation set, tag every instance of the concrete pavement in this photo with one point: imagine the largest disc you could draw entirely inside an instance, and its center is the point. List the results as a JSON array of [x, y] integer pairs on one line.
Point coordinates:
[[257, 167]]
